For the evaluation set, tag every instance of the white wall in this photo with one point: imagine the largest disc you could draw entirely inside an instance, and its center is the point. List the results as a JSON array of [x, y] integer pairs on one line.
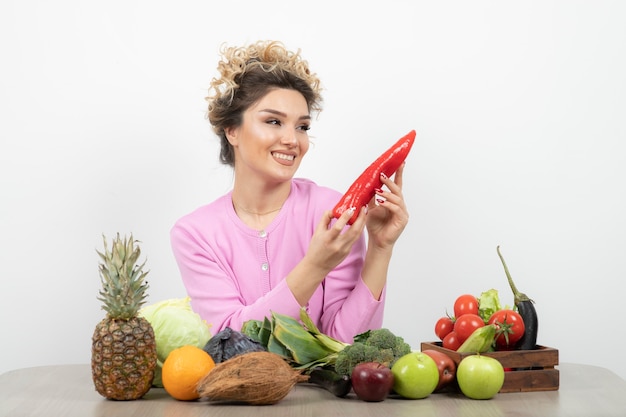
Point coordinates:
[[519, 108]]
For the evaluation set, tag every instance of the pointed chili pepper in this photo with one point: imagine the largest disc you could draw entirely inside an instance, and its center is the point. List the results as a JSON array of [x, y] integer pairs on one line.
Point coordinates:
[[364, 188]]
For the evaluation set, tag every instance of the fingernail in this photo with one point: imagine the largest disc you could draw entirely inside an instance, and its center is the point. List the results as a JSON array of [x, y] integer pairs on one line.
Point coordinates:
[[378, 190], [380, 200], [383, 176]]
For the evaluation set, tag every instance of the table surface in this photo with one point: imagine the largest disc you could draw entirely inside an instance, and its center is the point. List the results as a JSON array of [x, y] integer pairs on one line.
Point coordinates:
[[68, 391]]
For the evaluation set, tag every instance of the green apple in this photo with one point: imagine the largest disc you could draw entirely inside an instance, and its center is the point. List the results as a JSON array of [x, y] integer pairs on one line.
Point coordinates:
[[415, 375], [480, 377]]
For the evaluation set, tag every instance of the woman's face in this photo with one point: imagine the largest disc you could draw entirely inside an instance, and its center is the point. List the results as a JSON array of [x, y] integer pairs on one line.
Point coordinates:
[[273, 137]]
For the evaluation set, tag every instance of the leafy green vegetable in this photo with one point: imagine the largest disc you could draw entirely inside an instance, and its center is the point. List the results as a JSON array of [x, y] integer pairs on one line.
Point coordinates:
[[300, 342], [175, 324], [307, 348], [488, 303]]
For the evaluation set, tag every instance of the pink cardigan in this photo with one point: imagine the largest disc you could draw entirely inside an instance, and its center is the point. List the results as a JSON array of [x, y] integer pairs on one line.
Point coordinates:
[[234, 273]]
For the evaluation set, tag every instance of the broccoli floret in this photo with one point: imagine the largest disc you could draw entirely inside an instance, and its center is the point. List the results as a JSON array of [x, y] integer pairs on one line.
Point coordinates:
[[359, 352], [385, 339], [401, 348], [382, 338], [378, 345]]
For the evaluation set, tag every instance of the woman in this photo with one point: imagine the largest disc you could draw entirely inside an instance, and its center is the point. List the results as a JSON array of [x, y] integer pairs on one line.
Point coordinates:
[[271, 244]]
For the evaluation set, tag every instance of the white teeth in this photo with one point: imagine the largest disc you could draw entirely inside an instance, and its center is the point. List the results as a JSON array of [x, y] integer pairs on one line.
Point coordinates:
[[283, 156]]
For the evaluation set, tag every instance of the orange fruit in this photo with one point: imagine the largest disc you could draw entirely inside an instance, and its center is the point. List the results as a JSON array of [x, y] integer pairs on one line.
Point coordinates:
[[183, 368]]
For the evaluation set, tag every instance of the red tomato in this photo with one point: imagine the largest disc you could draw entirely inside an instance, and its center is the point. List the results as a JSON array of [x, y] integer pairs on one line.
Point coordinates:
[[451, 341], [465, 325], [443, 326], [465, 304], [510, 328]]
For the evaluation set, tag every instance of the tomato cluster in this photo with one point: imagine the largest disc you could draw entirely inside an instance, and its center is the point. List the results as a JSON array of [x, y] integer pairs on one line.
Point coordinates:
[[453, 331]]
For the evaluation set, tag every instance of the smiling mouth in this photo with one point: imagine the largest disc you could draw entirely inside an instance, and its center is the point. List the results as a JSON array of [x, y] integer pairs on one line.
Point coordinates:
[[283, 156]]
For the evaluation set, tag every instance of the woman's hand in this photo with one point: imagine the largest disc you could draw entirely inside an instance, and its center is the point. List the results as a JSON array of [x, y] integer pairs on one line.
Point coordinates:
[[388, 217], [330, 245]]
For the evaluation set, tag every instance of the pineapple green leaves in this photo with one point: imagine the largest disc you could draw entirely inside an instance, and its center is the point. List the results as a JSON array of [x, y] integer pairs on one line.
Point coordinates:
[[124, 290]]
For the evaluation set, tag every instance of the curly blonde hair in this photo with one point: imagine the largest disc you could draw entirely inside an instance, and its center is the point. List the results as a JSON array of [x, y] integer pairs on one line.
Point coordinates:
[[246, 74]]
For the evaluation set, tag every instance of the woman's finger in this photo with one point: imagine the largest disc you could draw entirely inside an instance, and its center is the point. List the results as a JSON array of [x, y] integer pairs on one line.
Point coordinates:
[[397, 178]]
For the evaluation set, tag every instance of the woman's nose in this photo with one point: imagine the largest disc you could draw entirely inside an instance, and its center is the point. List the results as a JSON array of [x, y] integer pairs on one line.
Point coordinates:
[[289, 138]]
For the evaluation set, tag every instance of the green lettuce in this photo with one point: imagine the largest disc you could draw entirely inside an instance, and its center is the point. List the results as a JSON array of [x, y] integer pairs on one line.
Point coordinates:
[[488, 303], [175, 324]]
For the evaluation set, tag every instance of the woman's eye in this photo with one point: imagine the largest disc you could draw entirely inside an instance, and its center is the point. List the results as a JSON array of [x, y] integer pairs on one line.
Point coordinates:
[[274, 122], [305, 127]]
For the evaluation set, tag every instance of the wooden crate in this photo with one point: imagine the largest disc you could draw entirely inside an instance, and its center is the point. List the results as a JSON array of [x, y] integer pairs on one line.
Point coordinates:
[[531, 370]]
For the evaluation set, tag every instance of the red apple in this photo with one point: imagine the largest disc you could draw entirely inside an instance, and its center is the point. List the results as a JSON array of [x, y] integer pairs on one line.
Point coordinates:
[[445, 366], [372, 381]]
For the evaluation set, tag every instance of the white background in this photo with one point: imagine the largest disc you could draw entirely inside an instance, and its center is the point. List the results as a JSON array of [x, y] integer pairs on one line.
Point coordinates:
[[520, 112]]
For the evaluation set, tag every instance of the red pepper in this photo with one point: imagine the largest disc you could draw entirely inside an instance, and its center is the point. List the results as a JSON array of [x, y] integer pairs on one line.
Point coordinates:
[[363, 189]]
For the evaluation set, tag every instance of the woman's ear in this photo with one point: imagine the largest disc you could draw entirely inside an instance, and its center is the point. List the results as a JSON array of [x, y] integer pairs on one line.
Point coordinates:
[[231, 135]]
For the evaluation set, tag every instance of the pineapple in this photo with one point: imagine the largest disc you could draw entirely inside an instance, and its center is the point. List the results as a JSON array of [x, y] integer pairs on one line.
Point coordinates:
[[123, 350]]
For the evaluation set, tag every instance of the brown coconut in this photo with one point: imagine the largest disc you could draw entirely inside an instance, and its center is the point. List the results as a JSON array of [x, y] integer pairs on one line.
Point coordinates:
[[257, 378]]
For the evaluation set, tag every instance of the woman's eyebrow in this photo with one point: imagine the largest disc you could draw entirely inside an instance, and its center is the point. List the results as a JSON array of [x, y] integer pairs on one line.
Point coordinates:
[[280, 113]]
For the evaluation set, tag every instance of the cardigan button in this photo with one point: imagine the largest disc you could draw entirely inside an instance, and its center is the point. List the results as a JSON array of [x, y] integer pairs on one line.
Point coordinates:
[[265, 266]]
